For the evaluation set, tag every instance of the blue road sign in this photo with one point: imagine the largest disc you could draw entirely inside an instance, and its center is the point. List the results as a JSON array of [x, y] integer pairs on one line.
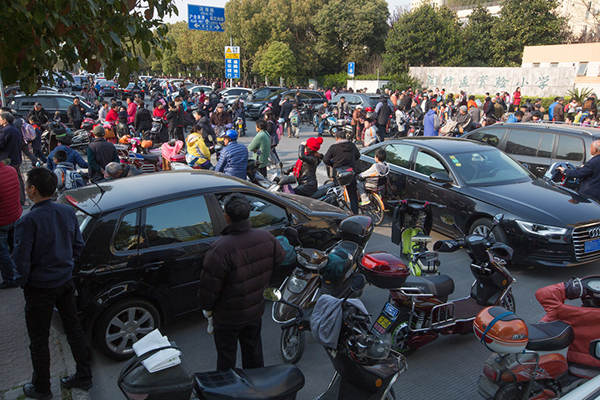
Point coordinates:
[[351, 68], [232, 68], [203, 18]]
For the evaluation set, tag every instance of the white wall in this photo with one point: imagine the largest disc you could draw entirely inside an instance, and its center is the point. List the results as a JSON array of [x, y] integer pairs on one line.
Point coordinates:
[[371, 86]]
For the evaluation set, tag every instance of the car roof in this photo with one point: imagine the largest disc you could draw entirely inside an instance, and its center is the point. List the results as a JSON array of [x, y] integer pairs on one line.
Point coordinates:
[[150, 188], [562, 128], [443, 145], [53, 94]]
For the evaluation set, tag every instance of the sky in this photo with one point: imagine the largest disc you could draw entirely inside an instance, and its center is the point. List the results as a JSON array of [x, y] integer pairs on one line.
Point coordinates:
[[182, 6]]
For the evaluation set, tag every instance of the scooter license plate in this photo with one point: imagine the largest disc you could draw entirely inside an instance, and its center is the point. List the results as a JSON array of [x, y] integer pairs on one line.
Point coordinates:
[[384, 322], [487, 386]]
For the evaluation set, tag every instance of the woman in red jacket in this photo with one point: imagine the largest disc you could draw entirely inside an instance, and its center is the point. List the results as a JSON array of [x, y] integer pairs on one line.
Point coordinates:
[[10, 204], [517, 98]]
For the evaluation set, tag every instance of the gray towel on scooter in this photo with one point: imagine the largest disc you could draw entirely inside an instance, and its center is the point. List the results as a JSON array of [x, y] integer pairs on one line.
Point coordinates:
[[326, 320]]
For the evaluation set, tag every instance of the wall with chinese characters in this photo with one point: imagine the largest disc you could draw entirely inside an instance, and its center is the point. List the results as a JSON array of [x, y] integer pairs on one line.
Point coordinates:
[[534, 82]]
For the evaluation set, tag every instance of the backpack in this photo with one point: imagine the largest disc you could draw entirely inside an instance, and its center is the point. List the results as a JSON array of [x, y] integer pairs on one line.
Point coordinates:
[[279, 130], [297, 168], [71, 179], [294, 118], [27, 131]]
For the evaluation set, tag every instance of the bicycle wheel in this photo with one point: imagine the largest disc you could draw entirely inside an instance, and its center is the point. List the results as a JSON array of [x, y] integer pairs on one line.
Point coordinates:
[[374, 209]]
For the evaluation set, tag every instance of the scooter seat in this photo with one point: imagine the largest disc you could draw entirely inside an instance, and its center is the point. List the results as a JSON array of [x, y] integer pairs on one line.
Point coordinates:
[[438, 285], [151, 158], [275, 382], [322, 190], [550, 336]]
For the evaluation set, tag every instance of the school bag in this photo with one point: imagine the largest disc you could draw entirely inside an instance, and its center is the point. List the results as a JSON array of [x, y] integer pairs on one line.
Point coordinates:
[[27, 131], [71, 179], [294, 118]]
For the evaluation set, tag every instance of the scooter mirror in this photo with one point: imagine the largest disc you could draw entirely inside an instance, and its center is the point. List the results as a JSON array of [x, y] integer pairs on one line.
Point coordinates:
[[358, 282], [292, 235], [272, 294], [498, 218], [595, 348], [447, 219]]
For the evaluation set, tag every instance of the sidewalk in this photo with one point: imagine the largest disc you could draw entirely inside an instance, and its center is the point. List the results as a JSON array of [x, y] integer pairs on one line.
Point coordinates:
[[15, 362]]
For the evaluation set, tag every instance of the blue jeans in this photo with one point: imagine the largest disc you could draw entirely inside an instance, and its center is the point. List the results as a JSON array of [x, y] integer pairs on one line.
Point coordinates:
[[7, 267], [321, 126]]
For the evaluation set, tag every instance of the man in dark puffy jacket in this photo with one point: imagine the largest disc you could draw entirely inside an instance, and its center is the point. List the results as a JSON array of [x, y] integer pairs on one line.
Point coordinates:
[[383, 112], [237, 268], [233, 159], [342, 156], [99, 153], [143, 119], [75, 112]]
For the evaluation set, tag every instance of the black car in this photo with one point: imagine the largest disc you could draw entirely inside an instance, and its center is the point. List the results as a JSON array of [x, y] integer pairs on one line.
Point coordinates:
[[255, 108], [258, 98], [109, 87], [51, 102], [546, 225], [539, 144], [130, 90], [355, 99], [146, 238]]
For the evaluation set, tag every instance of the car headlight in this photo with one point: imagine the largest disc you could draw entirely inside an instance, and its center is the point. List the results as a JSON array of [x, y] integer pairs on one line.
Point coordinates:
[[540, 229]]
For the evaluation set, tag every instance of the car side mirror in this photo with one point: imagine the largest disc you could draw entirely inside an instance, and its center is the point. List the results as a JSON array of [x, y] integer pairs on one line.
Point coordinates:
[[440, 177], [526, 166], [294, 219]]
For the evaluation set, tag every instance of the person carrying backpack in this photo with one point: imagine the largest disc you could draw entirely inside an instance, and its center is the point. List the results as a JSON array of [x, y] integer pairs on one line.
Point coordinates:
[[68, 177], [295, 121]]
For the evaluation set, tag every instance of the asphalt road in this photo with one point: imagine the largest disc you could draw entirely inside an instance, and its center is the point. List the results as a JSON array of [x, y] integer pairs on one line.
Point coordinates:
[[447, 368]]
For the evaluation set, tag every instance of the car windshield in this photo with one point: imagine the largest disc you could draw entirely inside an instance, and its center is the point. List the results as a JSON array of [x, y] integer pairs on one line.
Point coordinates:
[[488, 168]]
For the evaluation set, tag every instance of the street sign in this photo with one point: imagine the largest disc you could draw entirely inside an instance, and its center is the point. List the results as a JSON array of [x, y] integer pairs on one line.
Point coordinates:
[[232, 62], [202, 18], [351, 69]]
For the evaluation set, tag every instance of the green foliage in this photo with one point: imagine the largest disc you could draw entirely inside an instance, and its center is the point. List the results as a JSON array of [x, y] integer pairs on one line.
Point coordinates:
[[526, 23], [36, 34], [427, 35], [580, 95], [277, 61], [334, 80], [402, 81], [477, 36]]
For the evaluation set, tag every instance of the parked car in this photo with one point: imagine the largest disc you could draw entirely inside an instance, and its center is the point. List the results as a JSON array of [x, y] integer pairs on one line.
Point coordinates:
[[110, 88], [130, 90], [539, 144], [354, 99], [255, 108], [258, 98], [50, 101], [546, 225], [79, 81], [146, 238]]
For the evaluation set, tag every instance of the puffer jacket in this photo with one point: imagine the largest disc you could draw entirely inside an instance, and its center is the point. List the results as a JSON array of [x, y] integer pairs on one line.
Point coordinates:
[[307, 181], [237, 268], [10, 195], [233, 160]]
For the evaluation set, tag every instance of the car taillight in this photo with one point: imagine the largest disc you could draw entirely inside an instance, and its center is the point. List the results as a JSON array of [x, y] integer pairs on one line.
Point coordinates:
[[491, 373]]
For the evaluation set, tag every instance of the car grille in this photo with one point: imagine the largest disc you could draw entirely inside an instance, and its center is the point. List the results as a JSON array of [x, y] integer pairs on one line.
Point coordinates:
[[580, 236]]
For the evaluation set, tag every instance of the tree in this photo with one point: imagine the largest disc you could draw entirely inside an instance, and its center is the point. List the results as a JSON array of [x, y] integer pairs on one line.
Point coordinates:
[[278, 61], [427, 36], [526, 23], [36, 34], [477, 35], [350, 30]]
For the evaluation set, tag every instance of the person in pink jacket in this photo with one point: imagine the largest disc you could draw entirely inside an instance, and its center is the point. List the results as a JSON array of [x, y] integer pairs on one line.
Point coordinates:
[[131, 110], [10, 204], [585, 319]]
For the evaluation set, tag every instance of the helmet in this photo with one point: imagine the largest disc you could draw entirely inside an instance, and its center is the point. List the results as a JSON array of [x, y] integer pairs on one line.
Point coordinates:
[[591, 285], [230, 133]]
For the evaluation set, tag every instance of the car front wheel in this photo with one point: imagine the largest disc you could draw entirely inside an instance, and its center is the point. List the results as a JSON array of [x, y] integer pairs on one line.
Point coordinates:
[[483, 226], [123, 324]]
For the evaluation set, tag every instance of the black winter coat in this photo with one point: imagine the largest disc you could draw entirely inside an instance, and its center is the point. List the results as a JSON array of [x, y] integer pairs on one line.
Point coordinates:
[[341, 154], [143, 120], [307, 181], [237, 268]]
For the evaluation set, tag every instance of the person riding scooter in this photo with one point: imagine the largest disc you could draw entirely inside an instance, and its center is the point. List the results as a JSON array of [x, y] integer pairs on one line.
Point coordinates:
[[305, 169], [584, 320]]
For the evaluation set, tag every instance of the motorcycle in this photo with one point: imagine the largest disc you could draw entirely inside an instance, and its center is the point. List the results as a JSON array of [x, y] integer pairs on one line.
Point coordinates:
[[413, 219], [531, 361], [239, 126], [421, 310], [145, 163], [336, 124], [318, 272], [415, 127], [365, 366]]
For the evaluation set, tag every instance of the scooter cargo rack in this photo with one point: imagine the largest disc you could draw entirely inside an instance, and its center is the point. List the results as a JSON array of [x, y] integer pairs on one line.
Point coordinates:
[[442, 316]]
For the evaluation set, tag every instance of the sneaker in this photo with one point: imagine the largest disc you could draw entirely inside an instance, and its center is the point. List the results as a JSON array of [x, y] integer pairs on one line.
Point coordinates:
[[8, 285], [30, 391], [72, 381]]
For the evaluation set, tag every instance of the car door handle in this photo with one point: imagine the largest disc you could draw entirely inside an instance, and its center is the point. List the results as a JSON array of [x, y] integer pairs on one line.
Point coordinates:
[[155, 265], [413, 181]]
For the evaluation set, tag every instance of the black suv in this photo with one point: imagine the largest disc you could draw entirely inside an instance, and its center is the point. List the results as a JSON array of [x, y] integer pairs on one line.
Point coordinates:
[[314, 98], [51, 102], [258, 98], [539, 144]]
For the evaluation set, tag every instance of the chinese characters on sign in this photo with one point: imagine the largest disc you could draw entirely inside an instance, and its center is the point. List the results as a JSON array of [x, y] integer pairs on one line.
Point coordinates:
[[232, 62], [203, 18]]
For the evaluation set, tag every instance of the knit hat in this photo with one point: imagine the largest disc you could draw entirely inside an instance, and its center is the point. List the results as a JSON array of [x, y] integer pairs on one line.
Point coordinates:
[[99, 131], [463, 108], [314, 143]]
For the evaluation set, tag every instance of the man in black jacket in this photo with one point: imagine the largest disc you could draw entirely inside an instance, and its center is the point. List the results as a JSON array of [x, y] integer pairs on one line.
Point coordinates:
[[237, 268], [589, 173], [75, 112], [143, 119], [342, 156], [100, 153], [284, 113], [383, 111], [39, 112]]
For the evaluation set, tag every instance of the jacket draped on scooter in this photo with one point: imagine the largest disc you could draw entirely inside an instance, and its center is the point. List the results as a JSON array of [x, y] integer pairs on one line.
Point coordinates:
[[584, 321], [237, 268]]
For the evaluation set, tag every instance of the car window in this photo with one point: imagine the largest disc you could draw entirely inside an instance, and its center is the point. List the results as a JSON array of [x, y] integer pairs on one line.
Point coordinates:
[[46, 102], [523, 142], [397, 154], [264, 213], [545, 149], [487, 168], [570, 148], [374, 100], [428, 164], [183, 220], [63, 103], [127, 237], [489, 136]]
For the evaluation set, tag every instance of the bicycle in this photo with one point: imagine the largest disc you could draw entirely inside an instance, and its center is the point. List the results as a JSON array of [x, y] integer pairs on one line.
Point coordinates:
[[305, 115]]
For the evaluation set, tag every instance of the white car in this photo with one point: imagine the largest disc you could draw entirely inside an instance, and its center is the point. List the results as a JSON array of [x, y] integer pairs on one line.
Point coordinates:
[[590, 390]]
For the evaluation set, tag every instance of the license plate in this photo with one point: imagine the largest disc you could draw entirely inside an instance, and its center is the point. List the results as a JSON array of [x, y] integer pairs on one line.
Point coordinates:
[[487, 386], [592, 245], [384, 322]]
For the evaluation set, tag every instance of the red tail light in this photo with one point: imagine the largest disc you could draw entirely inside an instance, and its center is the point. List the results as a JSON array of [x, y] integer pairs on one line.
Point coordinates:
[[491, 373]]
